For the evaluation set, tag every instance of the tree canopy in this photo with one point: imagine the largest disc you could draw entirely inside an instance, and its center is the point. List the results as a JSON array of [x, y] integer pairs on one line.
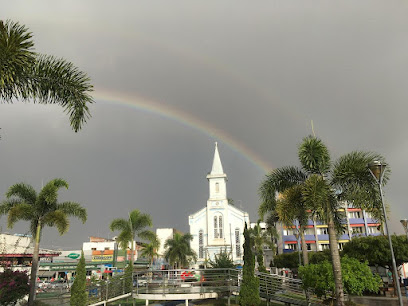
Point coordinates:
[[376, 250]]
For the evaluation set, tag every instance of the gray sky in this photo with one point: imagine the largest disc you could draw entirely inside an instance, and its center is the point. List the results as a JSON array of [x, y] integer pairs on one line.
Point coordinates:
[[172, 77]]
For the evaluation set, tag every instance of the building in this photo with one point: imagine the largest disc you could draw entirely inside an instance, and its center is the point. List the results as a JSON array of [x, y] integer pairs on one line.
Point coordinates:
[[219, 225], [163, 234], [16, 252], [357, 223]]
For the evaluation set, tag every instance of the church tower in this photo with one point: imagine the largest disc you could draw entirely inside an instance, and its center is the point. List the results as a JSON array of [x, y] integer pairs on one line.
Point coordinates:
[[217, 203]]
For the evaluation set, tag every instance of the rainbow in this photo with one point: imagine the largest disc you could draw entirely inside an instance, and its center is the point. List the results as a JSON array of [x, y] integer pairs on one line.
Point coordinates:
[[139, 103]]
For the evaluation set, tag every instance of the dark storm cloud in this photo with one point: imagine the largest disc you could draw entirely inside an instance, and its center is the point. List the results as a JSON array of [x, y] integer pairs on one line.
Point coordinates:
[[257, 72]]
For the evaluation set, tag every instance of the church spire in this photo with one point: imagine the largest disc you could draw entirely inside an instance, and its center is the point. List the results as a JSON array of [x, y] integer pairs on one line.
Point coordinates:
[[217, 166]]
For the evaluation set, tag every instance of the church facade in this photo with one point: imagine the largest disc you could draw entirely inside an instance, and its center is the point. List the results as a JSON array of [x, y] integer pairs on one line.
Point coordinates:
[[219, 225]]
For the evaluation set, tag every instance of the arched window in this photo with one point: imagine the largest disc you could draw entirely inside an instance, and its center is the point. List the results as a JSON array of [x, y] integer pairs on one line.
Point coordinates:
[[217, 187], [218, 227], [200, 244], [237, 243]]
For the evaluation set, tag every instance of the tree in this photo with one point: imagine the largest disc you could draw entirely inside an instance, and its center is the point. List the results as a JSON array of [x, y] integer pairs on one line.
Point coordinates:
[[13, 286], [357, 277], [289, 205], [260, 238], [222, 260], [25, 74], [134, 226], [42, 209], [150, 250], [79, 295], [325, 187], [178, 250], [376, 250], [249, 290]]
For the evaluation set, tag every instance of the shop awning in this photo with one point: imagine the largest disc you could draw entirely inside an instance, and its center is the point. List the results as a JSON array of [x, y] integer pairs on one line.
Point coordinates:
[[46, 273]]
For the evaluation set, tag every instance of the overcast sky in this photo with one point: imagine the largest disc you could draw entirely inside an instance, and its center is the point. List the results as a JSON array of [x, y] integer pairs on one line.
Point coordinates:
[[173, 77]]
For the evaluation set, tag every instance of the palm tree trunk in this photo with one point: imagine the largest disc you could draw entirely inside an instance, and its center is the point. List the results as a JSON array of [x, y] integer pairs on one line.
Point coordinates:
[[304, 246], [34, 266], [334, 251]]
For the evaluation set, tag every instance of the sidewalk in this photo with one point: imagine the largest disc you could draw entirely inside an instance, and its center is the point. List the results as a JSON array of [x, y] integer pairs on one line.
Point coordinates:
[[374, 300]]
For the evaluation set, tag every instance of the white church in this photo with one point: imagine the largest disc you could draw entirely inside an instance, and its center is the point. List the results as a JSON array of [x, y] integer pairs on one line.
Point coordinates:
[[219, 225]]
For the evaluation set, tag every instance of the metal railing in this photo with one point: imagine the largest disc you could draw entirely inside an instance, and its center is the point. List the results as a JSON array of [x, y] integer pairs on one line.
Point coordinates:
[[285, 289]]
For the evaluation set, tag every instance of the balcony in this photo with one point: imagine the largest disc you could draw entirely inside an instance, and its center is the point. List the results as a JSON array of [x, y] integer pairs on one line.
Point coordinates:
[[289, 238], [323, 237], [356, 221]]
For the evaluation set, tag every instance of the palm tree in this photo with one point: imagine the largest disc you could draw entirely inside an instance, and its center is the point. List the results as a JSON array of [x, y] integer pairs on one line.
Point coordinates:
[[42, 209], [260, 238], [134, 226], [25, 74], [178, 251], [289, 205], [150, 249], [324, 187]]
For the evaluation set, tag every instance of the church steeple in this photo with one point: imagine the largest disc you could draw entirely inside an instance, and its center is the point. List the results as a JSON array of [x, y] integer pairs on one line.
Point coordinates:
[[217, 166], [217, 179]]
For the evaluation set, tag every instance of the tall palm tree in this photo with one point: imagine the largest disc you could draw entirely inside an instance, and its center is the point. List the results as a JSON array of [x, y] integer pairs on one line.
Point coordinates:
[[42, 209], [178, 250], [25, 74], [325, 186], [134, 226], [150, 249], [260, 238]]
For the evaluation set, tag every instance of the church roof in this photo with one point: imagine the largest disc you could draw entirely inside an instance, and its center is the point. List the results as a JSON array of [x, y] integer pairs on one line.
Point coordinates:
[[216, 170]]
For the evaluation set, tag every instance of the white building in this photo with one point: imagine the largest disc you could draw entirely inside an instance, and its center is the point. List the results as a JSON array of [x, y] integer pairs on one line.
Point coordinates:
[[163, 234], [219, 225]]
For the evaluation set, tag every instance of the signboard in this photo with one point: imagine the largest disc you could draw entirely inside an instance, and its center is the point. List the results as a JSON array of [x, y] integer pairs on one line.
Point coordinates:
[[73, 255], [102, 257]]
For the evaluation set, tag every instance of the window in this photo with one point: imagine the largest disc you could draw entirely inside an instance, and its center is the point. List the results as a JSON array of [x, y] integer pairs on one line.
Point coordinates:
[[291, 246], [373, 230], [215, 227], [200, 244], [309, 231], [323, 231], [309, 246], [358, 230], [354, 215], [341, 245], [288, 231], [218, 227], [93, 249], [217, 187], [324, 246], [237, 243], [106, 248]]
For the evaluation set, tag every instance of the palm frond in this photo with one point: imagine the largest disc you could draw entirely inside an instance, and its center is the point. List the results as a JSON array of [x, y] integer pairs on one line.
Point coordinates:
[[18, 212], [314, 156], [120, 224], [8, 204], [139, 221], [22, 191], [57, 81], [73, 209], [277, 181], [59, 219], [16, 58]]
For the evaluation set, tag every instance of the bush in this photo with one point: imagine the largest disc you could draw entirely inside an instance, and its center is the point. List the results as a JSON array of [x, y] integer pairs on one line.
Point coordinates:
[[13, 286], [357, 277]]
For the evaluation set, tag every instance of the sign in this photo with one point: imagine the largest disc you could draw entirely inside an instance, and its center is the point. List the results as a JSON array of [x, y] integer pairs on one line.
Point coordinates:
[[102, 257], [73, 255]]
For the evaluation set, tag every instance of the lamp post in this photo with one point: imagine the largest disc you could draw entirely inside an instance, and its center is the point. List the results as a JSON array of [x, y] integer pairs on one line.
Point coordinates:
[[404, 223], [377, 169]]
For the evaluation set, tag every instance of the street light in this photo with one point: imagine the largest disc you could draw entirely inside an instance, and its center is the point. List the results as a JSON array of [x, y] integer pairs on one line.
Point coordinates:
[[377, 169], [404, 223]]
